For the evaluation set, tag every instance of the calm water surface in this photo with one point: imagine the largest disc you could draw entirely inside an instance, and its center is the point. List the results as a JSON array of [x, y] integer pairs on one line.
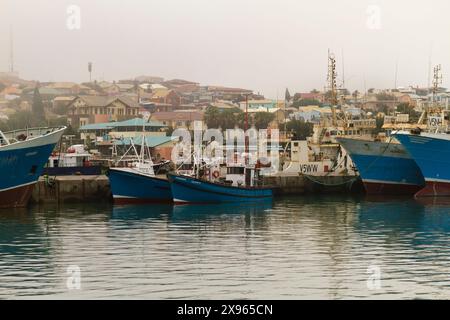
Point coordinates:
[[293, 248]]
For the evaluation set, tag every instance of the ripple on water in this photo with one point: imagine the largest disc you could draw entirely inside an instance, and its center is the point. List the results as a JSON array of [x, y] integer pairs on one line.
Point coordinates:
[[295, 248]]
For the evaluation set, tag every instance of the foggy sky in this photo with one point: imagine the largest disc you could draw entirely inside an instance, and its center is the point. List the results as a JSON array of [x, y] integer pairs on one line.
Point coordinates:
[[263, 45]]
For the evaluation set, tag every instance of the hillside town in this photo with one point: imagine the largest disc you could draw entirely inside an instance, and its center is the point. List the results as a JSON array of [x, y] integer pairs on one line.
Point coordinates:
[[99, 112]]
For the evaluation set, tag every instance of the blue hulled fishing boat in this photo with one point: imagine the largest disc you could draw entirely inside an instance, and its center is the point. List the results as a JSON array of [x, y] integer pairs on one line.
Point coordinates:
[[431, 152], [138, 184], [186, 189], [385, 167], [23, 154], [135, 181]]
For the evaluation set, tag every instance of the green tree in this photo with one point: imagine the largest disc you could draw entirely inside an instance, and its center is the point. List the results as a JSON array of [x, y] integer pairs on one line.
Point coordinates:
[[227, 119], [263, 119], [38, 108], [408, 109], [384, 97], [18, 120], [212, 117], [299, 129], [379, 124]]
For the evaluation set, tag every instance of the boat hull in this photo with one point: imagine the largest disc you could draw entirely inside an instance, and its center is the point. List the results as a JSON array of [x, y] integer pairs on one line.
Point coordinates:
[[385, 168], [21, 165], [431, 152], [131, 186], [190, 190]]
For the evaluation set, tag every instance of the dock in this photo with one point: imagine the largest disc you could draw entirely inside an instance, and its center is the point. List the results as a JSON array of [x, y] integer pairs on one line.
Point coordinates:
[[88, 188], [76, 188]]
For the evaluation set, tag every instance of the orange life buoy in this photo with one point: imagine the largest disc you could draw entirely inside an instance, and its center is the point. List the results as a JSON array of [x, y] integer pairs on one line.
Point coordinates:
[[216, 174]]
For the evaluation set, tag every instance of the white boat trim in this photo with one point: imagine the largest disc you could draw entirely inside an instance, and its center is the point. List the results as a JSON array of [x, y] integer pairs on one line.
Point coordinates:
[[37, 141], [18, 186], [437, 180], [387, 182], [180, 201]]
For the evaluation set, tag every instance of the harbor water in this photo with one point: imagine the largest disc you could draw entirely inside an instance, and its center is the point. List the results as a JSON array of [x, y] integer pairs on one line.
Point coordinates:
[[292, 248]]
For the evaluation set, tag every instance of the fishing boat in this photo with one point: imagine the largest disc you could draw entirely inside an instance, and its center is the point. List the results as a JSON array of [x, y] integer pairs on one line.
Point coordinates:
[[137, 181], [242, 184], [76, 160], [23, 154], [430, 148], [431, 152], [385, 167], [138, 184]]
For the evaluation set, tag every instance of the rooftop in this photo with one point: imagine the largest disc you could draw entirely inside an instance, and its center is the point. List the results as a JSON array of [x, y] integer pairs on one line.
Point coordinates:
[[136, 122], [150, 141]]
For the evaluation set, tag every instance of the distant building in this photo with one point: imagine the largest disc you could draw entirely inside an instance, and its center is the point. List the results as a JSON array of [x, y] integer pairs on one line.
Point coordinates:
[[259, 105], [66, 88], [107, 131], [311, 114], [149, 79], [309, 96], [85, 110], [170, 97], [178, 119]]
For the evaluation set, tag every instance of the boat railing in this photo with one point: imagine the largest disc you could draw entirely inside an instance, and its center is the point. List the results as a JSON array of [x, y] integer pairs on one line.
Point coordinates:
[[29, 133]]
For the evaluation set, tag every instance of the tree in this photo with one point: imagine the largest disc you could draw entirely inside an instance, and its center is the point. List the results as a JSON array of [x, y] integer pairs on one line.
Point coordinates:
[[408, 109], [263, 119], [315, 91], [212, 117], [300, 129], [384, 97], [18, 120], [379, 124], [38, 108]]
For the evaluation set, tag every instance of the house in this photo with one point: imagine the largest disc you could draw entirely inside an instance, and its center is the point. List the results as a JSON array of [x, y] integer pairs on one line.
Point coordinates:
[[178, 119], [258, 105], [170, 97], [96, 109], [175, 83], [65, 88], [149, 79], [309, 96], [61, 103], [311, 114]]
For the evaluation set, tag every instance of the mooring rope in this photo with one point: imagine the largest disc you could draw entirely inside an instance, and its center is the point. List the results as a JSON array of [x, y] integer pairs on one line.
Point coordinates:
[[309, 177]]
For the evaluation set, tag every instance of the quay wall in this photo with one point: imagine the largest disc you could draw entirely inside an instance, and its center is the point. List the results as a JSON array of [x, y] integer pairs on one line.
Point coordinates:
[[72, 189]]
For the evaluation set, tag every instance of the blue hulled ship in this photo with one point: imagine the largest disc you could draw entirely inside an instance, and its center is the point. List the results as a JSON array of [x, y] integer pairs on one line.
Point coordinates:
[[385, 167], [23, 154], [431, 152]]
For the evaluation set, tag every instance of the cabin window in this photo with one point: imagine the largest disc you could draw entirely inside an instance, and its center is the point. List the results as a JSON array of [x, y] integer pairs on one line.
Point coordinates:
[[235, 170]]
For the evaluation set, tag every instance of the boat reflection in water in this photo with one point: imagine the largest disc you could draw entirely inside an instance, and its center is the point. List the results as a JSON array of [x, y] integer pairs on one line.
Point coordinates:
[[213, 211], [141, 212]]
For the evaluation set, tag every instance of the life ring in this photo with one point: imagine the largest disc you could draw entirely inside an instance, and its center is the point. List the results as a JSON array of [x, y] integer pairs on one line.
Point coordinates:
[[216, 174]]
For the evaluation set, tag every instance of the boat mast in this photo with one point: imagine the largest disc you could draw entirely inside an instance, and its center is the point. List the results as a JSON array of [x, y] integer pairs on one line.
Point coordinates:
[[332, 75]]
